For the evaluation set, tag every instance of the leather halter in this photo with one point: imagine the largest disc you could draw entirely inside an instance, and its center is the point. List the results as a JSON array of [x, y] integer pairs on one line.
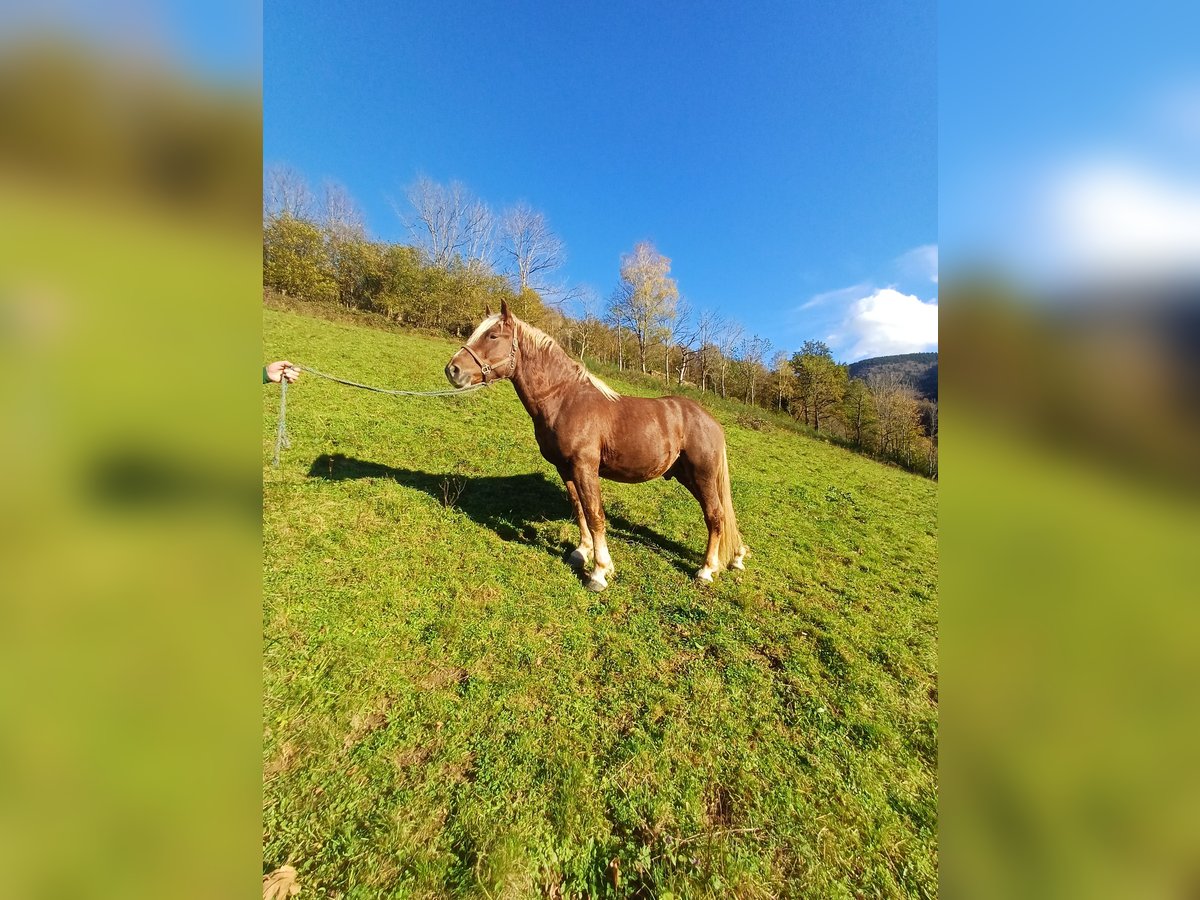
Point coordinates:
[[485, 369]]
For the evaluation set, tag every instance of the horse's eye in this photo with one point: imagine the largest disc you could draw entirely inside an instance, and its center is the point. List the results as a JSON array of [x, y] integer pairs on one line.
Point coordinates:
[[493, 336]]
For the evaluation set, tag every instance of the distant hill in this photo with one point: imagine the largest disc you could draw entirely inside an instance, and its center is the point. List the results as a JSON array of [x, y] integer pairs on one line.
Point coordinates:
[[917, 369]]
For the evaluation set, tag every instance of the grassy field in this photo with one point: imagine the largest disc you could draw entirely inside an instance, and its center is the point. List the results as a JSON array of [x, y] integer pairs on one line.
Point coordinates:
[[449, 713]]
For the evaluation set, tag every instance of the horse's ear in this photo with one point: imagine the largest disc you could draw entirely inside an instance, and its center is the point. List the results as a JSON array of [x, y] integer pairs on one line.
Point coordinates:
[[487, 310], [504, 316]]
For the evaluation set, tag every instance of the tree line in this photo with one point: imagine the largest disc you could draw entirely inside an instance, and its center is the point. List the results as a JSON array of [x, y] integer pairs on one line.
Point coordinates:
[[463, 257]]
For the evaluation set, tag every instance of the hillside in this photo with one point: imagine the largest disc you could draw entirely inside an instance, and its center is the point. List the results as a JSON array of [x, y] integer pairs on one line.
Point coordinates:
[[449, 713], [920, 370]]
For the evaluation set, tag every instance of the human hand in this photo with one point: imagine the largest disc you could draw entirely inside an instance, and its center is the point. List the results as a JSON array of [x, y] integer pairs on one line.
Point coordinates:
[[277, 371]]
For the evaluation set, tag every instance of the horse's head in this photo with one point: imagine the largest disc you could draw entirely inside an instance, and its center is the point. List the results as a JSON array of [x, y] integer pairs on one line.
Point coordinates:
[[489, 354]]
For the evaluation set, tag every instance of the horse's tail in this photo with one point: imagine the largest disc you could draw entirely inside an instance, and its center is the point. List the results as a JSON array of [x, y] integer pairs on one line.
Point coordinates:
[[731, 539]]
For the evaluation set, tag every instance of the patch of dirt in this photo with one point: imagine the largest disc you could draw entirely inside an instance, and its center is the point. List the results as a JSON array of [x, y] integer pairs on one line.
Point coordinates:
[[366, 721], [411, 756], [461, 770], [718, 806], [441, 678], [282, 761]]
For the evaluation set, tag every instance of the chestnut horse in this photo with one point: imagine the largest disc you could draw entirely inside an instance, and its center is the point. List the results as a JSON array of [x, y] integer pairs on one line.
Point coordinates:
[[588, 431]]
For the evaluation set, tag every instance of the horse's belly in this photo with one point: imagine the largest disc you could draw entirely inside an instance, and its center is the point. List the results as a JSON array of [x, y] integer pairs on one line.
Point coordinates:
[[636, 468]]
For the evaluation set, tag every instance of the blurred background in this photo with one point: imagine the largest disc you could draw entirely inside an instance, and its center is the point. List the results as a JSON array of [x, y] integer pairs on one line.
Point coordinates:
[[1069, 214], [131, 404]]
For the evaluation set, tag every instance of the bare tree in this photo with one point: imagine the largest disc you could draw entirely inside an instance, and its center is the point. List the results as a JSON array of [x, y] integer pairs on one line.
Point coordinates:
[[708, 327], [531, 252], [615, 317], [586, 325], [449, 224], [897, 413], [286, 194], [727, 339], [340, 216], [753, 350], [677, 337]]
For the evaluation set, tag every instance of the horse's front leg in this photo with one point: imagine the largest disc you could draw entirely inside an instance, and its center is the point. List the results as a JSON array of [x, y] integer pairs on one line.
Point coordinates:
[[581, 553], [587, 483]]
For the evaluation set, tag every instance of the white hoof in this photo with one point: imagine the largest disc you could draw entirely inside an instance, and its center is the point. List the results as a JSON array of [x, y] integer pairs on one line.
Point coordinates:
[[597, 583], [578, 557], [737, 564], [705, 575]]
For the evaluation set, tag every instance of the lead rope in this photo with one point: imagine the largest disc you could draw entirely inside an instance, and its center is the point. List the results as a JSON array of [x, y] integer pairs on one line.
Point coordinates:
[[281, 438]]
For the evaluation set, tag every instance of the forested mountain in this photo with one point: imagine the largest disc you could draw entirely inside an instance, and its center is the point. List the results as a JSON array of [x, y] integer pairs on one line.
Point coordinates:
[[919, 370]]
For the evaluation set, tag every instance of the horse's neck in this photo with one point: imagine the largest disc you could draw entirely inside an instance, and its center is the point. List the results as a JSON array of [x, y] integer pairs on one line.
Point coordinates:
[[540, 373]]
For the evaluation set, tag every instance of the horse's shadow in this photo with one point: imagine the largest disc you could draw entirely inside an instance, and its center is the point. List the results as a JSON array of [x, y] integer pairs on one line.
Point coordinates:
[[507, 504]]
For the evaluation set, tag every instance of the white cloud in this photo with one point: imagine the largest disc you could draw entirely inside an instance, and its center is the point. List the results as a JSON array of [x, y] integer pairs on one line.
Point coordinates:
[[1118, 218], [921, 261], [888, 322], [841, 295]]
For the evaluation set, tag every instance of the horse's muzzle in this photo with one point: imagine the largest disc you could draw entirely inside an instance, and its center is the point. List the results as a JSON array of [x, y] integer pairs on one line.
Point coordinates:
[[456, 376]]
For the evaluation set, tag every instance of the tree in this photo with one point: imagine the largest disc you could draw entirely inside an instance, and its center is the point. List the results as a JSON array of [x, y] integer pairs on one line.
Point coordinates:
[[586, 326], [358, 269], [754, 349], [401, 282], [340, 216], [708, 327], [783, 379], [858, 413], [677, 338], [928, 411], [294, 259], [531, 251], [821, 382], [897, 414], [727, 340], [450, 225], [644, 300], [285, 194]]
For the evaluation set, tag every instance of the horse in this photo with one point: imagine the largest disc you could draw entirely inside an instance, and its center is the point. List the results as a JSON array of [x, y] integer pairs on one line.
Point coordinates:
[[588, 431]]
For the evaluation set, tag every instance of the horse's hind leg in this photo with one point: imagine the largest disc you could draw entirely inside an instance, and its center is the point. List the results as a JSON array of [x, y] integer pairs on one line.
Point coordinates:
[[710, 505]]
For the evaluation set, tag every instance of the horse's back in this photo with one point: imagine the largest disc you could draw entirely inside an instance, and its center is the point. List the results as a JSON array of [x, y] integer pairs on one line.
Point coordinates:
[[645, 436]]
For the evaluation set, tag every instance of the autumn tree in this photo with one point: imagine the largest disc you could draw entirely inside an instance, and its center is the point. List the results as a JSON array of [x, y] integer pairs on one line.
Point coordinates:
[[783, 380], [897, 414], [858, 413], [821, 382], [295, 261], [645, 298]]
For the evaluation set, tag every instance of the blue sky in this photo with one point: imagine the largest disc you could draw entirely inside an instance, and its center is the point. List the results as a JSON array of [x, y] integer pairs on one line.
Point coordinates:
[[784, 156]]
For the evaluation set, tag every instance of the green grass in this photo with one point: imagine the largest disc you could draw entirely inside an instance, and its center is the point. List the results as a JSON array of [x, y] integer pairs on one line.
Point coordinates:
[[449, 713]]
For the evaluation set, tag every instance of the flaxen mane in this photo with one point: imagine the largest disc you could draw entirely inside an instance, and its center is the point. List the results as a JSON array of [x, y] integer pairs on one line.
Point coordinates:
[[542, 341]]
